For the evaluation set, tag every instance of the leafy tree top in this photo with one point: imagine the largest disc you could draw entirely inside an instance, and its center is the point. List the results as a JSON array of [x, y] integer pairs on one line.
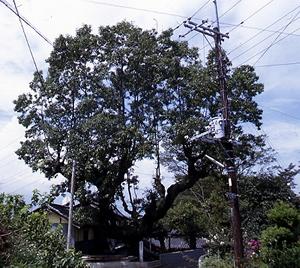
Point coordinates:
[[111, 99]]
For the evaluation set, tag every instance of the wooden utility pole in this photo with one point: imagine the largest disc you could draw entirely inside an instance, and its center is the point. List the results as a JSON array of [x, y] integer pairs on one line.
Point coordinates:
[[228, 148], [226, 142], [70, 218]]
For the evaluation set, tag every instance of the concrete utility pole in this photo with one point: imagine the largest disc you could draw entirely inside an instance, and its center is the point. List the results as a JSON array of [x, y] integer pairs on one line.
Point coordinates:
[[70, 218], [226, 142]]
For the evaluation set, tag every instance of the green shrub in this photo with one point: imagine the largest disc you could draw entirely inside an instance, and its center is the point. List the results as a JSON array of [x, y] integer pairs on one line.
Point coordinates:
[[285, 257], [280, 245], [31, 242], [216, 262]]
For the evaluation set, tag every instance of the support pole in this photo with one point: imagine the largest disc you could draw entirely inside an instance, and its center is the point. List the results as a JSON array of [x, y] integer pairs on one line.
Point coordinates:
[[226, 140], [70, 218], [228, 147]]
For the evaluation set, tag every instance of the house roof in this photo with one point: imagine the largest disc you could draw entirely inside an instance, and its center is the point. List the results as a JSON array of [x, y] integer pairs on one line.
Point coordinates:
[[61, 210]]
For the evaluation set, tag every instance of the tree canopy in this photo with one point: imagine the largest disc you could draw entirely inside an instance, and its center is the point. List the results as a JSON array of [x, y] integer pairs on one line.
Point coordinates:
[[122, 95]]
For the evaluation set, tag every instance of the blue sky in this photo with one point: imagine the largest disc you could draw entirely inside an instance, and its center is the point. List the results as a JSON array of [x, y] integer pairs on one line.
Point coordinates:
[[280, 101]]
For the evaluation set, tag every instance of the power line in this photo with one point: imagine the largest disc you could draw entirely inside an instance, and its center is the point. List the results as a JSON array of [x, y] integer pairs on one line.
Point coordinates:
[[195, 13], [281, 112], [10, 143], [8, 158], [26, 39], [227, 11], [223, 14], [257, 28], [135, 8], [242, 22], [261, 30], [278, 64], [268, 141], [252, 15], [28, 184], [266, 50], [257, 44], [24, 172], [26, 21], [253, 46], [200, 8]]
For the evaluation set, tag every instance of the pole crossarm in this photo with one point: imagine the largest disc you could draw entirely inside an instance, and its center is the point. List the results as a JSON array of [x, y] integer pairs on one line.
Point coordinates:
[[212, 32]]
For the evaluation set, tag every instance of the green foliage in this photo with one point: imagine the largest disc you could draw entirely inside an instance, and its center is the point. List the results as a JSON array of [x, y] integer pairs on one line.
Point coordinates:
[[31, 241], [280, 244], [259, 193], [286, 257], [209, 197], [283, 214], [108, 100], [216, 262], [277, 237], [187, 220]]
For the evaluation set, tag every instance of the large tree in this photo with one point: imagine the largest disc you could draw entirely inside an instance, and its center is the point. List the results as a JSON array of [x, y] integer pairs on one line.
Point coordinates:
[[111, 99]]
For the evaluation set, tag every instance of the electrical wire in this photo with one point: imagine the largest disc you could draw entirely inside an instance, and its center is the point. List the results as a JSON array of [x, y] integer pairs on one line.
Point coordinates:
[[208, 41], [281, 112], [252, 15], [26, 39], [135, 8], [195, 13], [22, 172], [28, 184], [223, 14], [278, 64], [26, 21], [30, 50], [227, 11], [242, 22], [199, 9], [10, 143], [8, 159], [255, 45], [266, 50], [268, 141], [256, 28], [261, 30]]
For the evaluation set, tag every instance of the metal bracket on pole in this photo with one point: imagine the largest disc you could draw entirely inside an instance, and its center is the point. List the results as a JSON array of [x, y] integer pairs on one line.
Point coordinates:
[[214, 161]]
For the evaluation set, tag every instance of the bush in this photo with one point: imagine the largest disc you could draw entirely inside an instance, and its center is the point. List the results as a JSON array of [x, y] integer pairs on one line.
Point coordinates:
[[285, 257], [280, 245], [216, 262], [32, 243]]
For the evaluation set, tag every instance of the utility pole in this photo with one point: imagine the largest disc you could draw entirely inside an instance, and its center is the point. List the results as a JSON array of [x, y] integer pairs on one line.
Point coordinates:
[[226, 142], [230, 165], [70, 218]]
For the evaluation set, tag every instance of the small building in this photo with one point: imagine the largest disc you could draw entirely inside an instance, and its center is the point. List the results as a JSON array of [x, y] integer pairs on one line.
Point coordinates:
[[86, 236], [83, 236]]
